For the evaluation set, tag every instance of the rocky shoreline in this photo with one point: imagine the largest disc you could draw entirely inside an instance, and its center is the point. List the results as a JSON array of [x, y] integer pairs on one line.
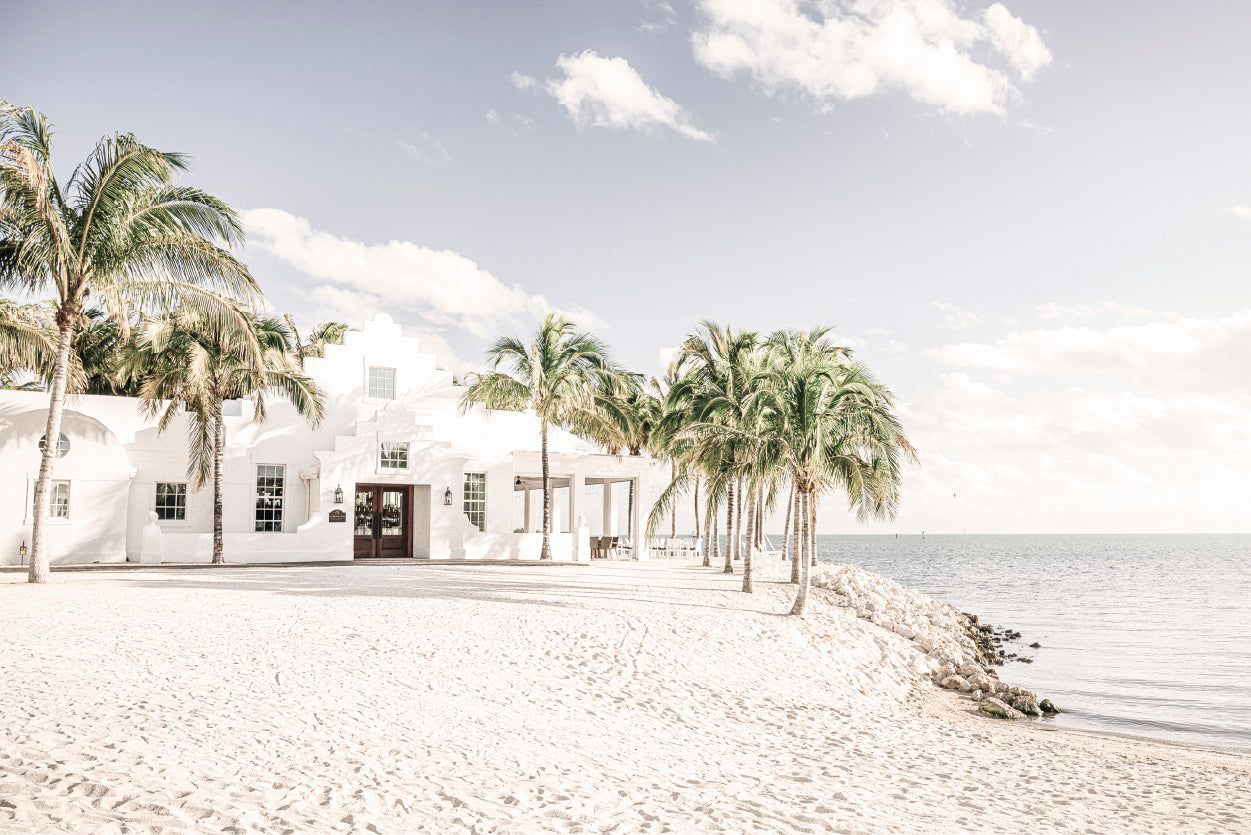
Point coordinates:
[[961, 652]]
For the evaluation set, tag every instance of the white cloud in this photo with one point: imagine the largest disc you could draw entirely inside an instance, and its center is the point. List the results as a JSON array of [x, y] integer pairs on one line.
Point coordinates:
[[437, 287], [514, 123], [662, 17], [426, 149], [1051, 310], [1017, 41], [1163, 349], [1240, 211], [955, 317], [521, 81], [1064, 458], [827, 51], [608, 92]]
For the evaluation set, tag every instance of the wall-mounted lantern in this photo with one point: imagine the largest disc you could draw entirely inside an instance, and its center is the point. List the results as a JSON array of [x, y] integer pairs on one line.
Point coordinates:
[[338, 494], [21, 552], [517, 482], [447, 497]]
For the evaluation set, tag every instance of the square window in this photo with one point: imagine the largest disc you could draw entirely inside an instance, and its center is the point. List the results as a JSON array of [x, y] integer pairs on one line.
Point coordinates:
[[381, 383], [475, 499], [58, 501], [171, 501], [393, 456], [270, 488]]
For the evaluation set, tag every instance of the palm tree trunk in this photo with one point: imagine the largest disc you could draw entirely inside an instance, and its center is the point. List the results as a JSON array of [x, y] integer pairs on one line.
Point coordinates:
[[751, 537], [219, 461], [546, 552], [710, 530], [812, 534], [786, 528], [760, 518], [716, 534], [729, 528], [799, 545], [801, 597], [696, 505], [738, 520], [38, 572]]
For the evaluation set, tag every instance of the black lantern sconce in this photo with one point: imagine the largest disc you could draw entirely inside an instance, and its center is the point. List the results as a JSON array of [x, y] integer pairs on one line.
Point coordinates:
[[21, 552], [447, 497], [338, 494]]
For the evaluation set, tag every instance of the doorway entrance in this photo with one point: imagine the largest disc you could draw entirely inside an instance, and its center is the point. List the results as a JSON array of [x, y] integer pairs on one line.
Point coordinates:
[[383, 521]]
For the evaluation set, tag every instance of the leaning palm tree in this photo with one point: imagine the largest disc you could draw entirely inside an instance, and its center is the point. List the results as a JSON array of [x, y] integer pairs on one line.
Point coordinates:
[[192, 364], [563, 375], [120, 232]]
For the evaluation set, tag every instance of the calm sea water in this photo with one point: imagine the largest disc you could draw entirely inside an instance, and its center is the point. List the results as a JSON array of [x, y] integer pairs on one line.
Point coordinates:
[[1141, 635]]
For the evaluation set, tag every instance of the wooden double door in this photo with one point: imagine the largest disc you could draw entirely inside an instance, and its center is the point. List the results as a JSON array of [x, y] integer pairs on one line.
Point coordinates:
[[383, 521]]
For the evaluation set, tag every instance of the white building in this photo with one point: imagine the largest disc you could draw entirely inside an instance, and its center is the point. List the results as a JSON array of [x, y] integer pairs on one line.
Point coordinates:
[[394, 470]]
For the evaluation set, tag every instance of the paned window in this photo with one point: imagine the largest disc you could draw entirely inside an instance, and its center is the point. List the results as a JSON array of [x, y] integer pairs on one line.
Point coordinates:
[[475, 499], [58, 501], [382, 383], [270, 488], [393, 456], [62, 445], [171, 501]]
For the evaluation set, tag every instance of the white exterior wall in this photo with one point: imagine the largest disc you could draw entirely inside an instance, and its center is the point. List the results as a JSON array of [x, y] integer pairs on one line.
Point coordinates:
[[117, 456]]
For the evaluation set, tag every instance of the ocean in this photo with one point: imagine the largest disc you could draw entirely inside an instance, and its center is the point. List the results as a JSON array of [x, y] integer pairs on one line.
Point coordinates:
[[1143, 635]]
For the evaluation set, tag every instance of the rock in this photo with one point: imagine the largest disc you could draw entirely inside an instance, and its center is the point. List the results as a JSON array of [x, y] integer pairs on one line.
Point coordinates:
[[994, 707], [1035, 645], [1026, 705], [981, 681], [1026, 660], [1046, 706], [976, 695], [969, 670], [957, 683], [943, 672]]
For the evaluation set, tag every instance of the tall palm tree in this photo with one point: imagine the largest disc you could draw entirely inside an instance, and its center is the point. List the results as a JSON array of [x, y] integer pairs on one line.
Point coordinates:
[[563, 375], [834, 426], [709, 395], [191, 363], [119, 232]]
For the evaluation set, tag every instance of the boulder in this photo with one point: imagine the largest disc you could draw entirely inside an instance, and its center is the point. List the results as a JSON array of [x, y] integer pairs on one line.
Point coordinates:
[[976, 695], [957, 683], [994, 707], [1046, 706], [981, 681]]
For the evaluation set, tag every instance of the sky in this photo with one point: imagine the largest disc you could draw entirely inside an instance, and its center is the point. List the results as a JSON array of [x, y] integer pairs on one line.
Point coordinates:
[[1031, 218]]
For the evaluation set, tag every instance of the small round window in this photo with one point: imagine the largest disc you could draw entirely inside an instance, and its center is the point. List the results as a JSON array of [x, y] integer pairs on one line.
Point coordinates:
[[62, 446]]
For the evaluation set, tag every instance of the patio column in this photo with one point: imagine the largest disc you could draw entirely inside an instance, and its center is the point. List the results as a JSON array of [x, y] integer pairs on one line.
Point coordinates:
[[577, 501], [610, 510], [641, 509], [525, 499]]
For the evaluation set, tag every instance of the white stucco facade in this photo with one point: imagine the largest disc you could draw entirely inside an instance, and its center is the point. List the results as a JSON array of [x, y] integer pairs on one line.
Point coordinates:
[[395, 450]]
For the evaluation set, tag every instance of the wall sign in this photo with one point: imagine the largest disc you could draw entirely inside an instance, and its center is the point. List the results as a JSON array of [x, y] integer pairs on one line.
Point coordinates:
[[338, 516]]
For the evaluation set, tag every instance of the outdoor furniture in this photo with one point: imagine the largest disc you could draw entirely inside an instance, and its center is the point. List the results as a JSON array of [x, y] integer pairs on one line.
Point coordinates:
[[597, 547], [610, 546]]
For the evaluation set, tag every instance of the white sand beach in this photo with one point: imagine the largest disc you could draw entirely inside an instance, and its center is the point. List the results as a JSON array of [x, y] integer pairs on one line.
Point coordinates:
[[622, 697]]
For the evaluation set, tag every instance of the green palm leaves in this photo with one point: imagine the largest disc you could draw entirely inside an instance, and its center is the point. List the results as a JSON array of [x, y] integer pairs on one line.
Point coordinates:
[[757, 418]]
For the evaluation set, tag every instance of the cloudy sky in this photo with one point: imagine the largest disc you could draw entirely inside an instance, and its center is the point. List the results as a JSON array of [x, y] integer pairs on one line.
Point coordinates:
[[1032, 217]]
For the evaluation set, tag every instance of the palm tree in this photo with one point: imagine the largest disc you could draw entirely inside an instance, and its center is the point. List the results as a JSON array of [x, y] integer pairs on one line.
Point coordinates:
[[835, 427], [95, 351], [327, 333], [706, 401], [563, 375], [121, 232], [190, 363]]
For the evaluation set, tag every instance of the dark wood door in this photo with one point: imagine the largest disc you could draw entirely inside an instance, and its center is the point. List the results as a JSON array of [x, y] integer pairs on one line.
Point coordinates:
[[383, 520]]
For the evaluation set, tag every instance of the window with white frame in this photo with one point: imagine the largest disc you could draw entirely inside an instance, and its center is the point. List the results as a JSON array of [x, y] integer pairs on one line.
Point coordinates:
[[270, 489], [171, 501], [381, 383], [475, 499], [393, 456], [59, 500]]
